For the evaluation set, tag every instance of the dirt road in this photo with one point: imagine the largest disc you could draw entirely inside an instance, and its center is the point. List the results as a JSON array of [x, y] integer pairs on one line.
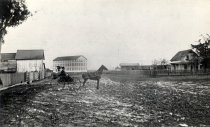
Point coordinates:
[[128, 103]]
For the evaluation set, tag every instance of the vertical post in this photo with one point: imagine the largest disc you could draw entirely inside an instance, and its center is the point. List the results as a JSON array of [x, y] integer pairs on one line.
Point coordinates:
[[1, 83], [0, 48]]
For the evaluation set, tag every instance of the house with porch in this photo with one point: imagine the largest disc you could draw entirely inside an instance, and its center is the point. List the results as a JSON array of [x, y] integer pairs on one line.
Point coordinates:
[[185, 60]]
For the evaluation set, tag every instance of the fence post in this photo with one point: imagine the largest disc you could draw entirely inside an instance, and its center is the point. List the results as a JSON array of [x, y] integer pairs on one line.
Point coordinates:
[[168, 71]]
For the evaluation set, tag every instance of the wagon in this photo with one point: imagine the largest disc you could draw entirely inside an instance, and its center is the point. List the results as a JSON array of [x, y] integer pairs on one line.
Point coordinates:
[[74, 81]]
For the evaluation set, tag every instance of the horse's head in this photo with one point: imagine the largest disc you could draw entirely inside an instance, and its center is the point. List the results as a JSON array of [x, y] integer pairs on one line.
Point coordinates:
[[102, 68]]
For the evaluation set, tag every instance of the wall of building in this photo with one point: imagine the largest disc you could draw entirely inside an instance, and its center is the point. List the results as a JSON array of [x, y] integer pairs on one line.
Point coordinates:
[[9, 66], [129, 68], [79, 65], [184, 67], [29, 65], [177, 67]]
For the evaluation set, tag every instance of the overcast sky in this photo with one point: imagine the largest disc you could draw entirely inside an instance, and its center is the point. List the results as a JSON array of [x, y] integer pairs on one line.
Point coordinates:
[[110, 32]]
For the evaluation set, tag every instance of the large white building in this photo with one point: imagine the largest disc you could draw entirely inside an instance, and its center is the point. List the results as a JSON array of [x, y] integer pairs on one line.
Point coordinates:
[[71, 63]]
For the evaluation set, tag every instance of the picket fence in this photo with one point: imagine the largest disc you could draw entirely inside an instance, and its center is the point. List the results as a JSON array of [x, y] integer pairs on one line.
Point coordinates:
[[9, 79], [158, 73]]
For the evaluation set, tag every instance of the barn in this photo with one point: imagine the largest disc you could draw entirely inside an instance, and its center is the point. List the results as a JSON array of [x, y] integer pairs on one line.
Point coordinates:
[[129, 66]]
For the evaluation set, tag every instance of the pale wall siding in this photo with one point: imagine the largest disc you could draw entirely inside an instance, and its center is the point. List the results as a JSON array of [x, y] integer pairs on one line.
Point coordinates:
[[29, 65], [79, 65]]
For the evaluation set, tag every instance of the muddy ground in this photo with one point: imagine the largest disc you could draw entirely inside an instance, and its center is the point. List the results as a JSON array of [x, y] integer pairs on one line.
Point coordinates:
[[116, 103]]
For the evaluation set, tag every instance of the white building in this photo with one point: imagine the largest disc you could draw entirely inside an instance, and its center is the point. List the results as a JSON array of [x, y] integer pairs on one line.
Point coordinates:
[[30, 60], [71, 63]]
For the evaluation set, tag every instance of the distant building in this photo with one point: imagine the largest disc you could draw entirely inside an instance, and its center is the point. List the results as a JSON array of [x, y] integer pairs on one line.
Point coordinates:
[[145, 67], [129, 66], [71, 63], [185, 60], [30, 60], [8, 62]]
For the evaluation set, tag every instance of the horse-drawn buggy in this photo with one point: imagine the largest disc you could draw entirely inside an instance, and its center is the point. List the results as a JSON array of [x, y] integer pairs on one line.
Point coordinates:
[[63, 78]]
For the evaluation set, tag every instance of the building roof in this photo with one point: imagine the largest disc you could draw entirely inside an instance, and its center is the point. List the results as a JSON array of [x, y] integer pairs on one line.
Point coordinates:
[[129, 64], [30, 54], [68, 58], [182, 54], [7, 56]]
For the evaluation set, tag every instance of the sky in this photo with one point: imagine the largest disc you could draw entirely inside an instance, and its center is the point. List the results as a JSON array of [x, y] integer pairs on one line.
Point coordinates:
[[110, 32]]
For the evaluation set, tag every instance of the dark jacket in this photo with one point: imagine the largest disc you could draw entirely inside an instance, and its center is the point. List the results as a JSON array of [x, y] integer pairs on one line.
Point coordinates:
[[63, 73]]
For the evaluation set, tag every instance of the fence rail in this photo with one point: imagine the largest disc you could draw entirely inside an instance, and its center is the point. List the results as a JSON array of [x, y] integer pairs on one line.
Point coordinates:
[[11, 78], [154, 73]]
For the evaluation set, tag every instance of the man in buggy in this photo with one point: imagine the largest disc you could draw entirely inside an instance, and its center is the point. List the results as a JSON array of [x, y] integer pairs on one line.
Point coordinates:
[[65, 77]]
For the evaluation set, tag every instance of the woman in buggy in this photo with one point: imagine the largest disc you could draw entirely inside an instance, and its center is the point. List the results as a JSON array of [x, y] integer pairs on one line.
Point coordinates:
[[64, 77]]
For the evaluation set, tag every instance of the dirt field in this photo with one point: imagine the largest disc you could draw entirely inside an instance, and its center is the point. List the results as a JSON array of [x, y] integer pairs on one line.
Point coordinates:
[[116, 103]]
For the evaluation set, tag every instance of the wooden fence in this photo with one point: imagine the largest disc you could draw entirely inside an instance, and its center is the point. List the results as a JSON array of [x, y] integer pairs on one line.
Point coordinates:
[[9, 79], [34, 76], [158, 73]]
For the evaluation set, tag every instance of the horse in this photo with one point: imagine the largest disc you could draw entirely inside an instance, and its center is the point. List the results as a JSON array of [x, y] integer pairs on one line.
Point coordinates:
[[94, 75]]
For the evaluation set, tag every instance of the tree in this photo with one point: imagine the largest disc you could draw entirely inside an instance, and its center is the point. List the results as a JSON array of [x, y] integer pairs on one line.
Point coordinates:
[[160, 63], [163, 61], [202, 50], [12, 13]]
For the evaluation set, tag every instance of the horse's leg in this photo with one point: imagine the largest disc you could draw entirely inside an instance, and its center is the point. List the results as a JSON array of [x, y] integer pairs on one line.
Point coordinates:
[[85, 80], [98, 83], [64, 85]]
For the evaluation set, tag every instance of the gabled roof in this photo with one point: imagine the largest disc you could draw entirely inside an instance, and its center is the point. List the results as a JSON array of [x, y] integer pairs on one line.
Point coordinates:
[[68, 58], [182, 54], [129, 64], [7, 56], [30, 54]]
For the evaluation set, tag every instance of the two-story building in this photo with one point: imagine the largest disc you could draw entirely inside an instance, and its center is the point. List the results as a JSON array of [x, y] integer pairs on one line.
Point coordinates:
[[71, 63]]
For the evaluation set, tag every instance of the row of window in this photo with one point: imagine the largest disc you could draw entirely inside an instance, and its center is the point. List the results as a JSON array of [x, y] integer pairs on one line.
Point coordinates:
[[69, 61], [75, 69], [71, 64]]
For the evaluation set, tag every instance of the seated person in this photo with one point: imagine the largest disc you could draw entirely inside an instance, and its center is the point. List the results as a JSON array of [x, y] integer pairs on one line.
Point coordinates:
[[64, 77], [63, 73]]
